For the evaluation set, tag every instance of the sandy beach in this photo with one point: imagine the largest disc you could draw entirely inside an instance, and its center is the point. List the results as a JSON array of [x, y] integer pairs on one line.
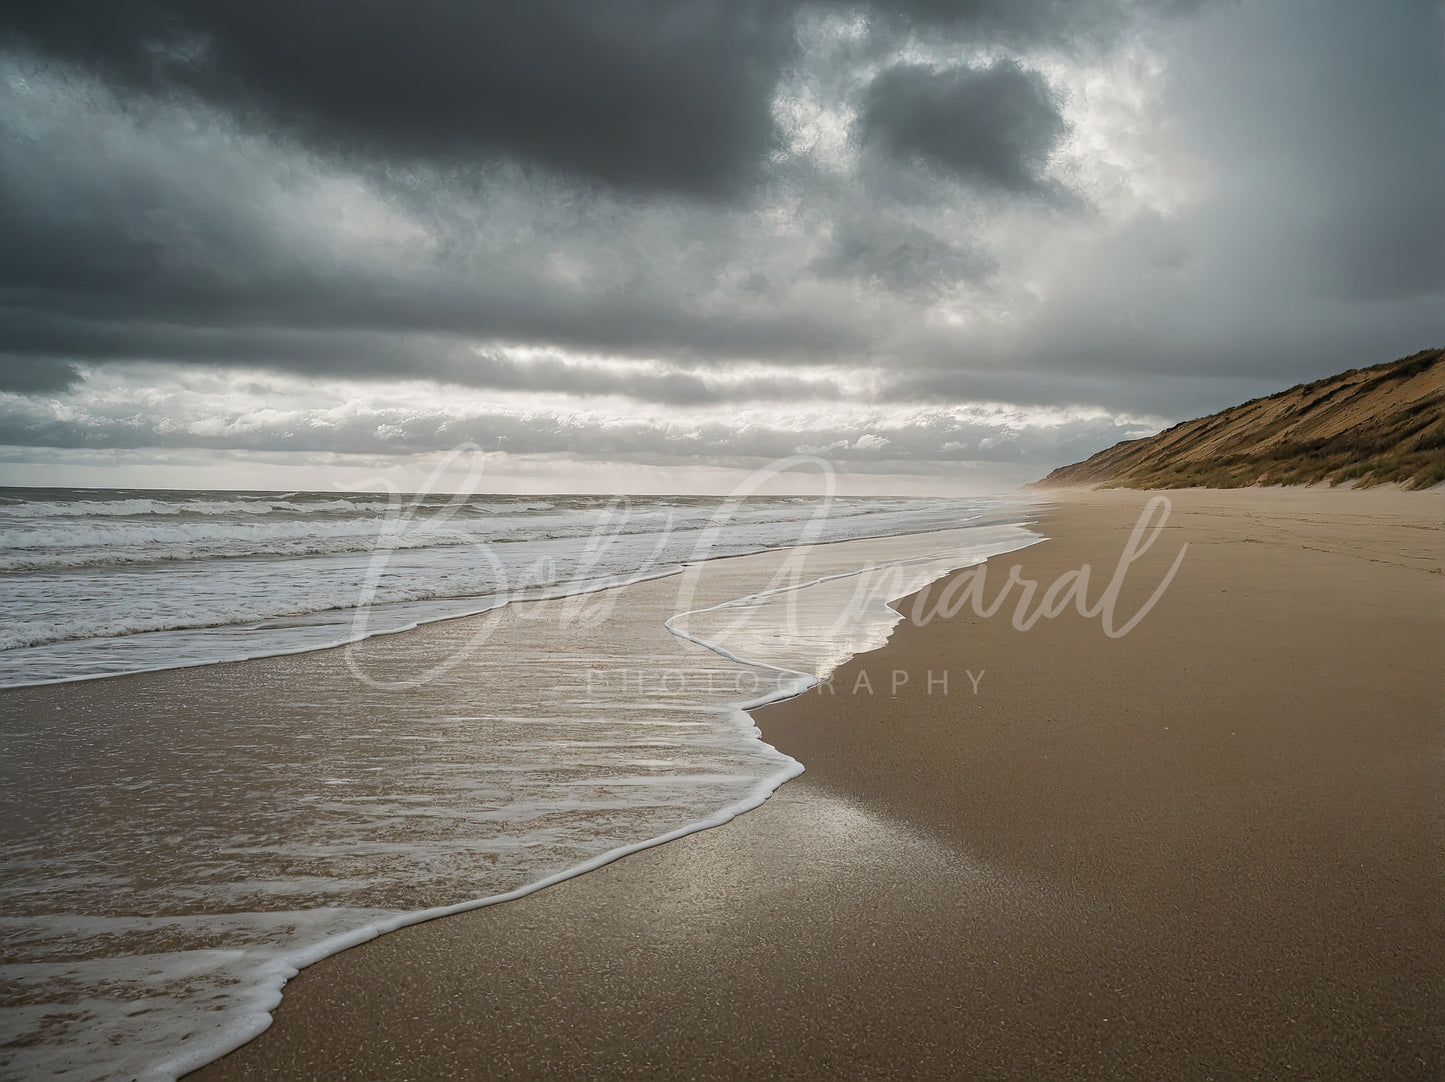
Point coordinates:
[[1209, 848]]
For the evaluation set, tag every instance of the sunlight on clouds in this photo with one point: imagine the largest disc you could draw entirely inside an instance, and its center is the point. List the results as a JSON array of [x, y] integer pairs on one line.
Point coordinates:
[[815, 131], [358, 215], [185, 408], [1123, 152]]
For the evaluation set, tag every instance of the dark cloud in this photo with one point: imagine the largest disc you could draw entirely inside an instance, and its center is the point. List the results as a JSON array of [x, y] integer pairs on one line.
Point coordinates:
[[358, 355], [35, 374], [653, 94], [1069, 25], [121, 241], [411, 336], [994, 126]]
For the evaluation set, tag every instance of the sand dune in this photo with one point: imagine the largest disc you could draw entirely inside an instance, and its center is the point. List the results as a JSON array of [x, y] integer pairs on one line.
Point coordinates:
[[1378, 425]]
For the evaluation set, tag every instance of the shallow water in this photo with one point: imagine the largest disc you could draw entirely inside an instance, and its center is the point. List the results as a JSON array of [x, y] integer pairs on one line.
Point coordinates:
[[176, 843]]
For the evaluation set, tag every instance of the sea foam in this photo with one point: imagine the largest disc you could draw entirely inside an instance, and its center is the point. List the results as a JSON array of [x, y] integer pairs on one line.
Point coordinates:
[[178, 845]]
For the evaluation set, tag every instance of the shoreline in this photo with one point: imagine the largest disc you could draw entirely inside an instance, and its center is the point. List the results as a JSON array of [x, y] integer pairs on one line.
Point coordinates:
[[1048, 858], [319, 685]]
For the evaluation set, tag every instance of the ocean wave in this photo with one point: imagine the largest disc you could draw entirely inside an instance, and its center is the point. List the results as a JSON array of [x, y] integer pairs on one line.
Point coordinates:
[[230, 612], [144, 506], [120, 575], [109, 540]]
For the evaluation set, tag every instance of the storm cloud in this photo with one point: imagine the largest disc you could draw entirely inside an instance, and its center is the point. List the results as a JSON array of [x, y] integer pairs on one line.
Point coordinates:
[[635, 223], [647, 93], [994, 126], [655, 94]]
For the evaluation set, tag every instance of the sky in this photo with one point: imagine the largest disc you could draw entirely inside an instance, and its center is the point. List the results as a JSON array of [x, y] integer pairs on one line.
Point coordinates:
[[629, 245]]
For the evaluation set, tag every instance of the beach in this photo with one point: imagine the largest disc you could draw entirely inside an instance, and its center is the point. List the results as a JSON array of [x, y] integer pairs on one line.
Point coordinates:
[[179, 841], [718, 540], [1207, 848]]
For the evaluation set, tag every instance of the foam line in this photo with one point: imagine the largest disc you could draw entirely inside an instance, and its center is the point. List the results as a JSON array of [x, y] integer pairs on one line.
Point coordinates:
[[265, 998]]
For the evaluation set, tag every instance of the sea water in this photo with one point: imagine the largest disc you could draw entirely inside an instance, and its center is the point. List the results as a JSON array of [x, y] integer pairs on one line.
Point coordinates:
[[176, 844], [101, 582]]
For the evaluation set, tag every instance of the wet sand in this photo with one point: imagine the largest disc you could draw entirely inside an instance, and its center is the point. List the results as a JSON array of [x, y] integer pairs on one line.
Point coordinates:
[[1210, 848]]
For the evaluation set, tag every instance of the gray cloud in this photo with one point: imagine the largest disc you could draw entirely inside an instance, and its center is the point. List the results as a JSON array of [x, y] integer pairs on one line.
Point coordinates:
[[993, 126], [504, 196], [122, 420], [361, 355], [196, 245], [1068, 25], [899, 257], [657, 95], [644, 93], [27, 374]]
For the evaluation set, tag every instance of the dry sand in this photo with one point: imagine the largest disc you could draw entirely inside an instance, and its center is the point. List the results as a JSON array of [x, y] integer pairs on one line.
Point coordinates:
[[1208, 849]]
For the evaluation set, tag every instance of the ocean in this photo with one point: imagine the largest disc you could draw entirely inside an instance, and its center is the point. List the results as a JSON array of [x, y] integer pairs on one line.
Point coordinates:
[[572, 686]]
